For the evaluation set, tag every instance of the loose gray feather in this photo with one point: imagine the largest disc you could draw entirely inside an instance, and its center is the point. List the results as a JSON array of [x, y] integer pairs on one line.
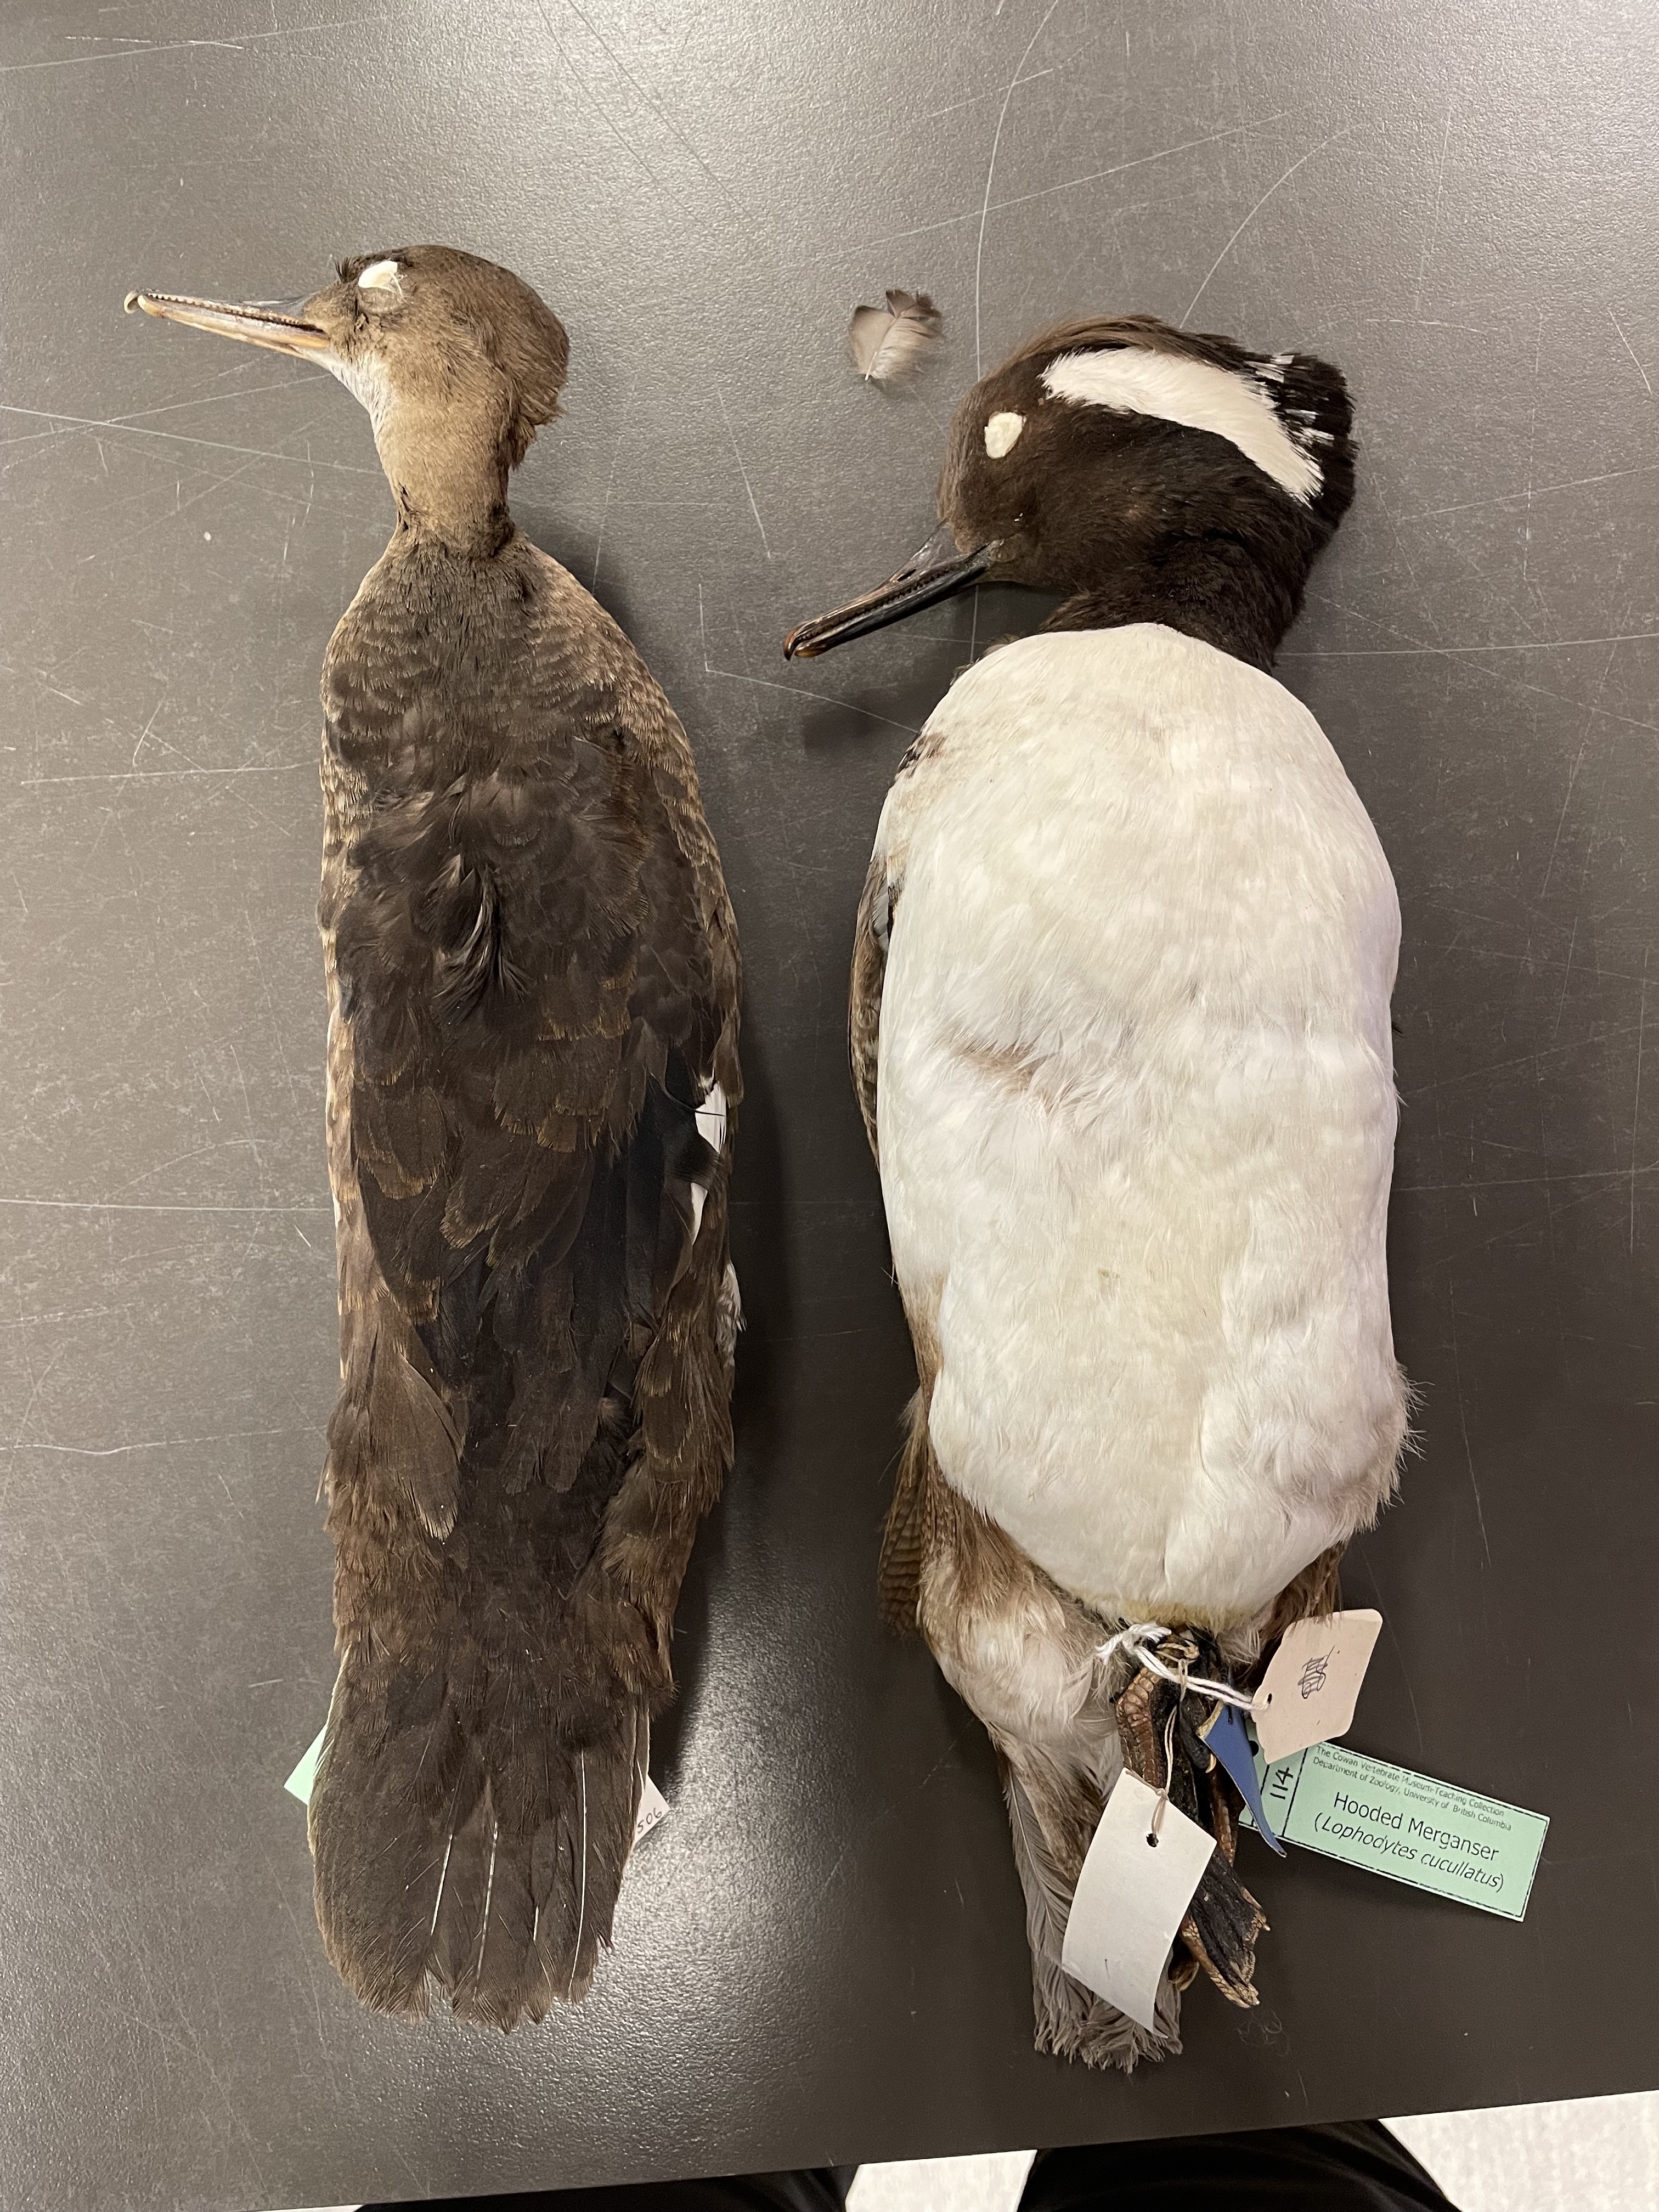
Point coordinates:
[[889, 345]]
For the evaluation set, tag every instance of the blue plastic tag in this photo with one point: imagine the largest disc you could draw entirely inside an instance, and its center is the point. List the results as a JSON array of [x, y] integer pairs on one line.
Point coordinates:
[[1227, 1738]]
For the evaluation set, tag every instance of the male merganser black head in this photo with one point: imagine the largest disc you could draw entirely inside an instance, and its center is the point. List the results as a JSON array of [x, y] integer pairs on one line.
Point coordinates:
[[457, 360], [1145, 474]]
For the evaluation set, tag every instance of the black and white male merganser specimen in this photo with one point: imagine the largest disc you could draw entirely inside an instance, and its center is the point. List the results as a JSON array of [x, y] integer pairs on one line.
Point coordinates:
[[1120, 1035], [533, 980]]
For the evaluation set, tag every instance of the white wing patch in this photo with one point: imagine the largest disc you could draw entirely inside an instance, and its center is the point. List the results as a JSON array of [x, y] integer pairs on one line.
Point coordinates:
[[711, 1127], [1134, 379]]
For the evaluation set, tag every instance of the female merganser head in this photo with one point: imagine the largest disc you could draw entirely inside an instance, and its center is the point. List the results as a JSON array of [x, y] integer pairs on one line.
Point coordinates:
[[457, 360], [1145, 474]]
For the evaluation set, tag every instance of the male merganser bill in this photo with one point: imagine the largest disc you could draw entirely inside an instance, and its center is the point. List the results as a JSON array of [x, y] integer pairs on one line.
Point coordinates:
[[532, 979], [1120, 1035]]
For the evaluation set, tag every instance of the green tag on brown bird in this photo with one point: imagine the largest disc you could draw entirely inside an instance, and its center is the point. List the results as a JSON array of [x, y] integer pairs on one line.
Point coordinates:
[[299, 1782]]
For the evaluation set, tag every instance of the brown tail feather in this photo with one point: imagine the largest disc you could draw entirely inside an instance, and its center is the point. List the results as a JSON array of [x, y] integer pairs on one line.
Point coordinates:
[[465, 1856], [904, 1536], [475, 1803]]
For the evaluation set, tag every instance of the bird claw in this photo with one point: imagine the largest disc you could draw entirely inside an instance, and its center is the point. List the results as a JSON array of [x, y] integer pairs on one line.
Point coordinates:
[[1220, 1930]]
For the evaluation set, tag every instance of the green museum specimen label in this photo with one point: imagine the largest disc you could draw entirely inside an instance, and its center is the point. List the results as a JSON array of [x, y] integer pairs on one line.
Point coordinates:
[[299, 1782], [1429, 1833]]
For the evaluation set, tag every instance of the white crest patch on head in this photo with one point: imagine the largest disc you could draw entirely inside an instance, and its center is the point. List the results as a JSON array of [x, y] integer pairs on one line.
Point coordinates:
[[379, 276], [1136, 379], [1000, 432]]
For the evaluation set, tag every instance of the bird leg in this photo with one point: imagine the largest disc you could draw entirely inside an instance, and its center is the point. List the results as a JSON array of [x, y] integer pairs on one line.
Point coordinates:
[[1220, 1930]]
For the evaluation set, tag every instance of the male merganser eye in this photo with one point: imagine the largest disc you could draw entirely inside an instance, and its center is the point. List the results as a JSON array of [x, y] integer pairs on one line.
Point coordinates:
[[1001, 433], [379, 276]]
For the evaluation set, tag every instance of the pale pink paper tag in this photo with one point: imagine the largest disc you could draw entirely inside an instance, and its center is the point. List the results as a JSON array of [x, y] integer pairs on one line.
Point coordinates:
[[1132, 1896], [1312, 1683]]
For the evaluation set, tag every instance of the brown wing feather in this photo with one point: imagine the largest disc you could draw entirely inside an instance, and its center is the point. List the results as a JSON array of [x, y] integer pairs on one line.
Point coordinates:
[[869, 942]]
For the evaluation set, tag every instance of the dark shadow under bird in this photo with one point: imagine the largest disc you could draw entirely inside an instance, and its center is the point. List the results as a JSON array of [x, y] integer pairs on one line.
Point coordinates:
[[534, 983]]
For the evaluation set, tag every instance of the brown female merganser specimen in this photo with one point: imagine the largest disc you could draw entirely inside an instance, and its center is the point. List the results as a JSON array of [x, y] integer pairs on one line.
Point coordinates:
[[1121, 1036], [533, 980]]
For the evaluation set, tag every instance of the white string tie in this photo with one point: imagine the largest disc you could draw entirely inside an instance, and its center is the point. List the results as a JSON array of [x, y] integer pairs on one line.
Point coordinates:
[[1138, 1640], [1159, 1809]]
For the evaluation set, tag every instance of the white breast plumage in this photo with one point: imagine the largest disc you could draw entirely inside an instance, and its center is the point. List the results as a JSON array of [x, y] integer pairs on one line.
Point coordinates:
[[1136, 1117]]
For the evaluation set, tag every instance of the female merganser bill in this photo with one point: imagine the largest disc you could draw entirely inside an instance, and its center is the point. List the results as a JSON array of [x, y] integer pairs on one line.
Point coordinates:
[[532, 979], [1120, 1035]]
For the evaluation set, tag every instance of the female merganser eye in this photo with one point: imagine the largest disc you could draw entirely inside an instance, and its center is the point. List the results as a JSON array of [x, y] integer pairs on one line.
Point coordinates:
[[379, 276], [1001, 433]]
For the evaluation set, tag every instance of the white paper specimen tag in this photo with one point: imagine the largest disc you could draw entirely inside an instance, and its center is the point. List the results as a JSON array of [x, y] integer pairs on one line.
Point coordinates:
[[1312, 1682], [652, 1806], [1132, 1896]]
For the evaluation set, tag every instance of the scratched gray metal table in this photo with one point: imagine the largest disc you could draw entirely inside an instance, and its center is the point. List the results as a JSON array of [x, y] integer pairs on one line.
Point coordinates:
[[821, 1953]]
